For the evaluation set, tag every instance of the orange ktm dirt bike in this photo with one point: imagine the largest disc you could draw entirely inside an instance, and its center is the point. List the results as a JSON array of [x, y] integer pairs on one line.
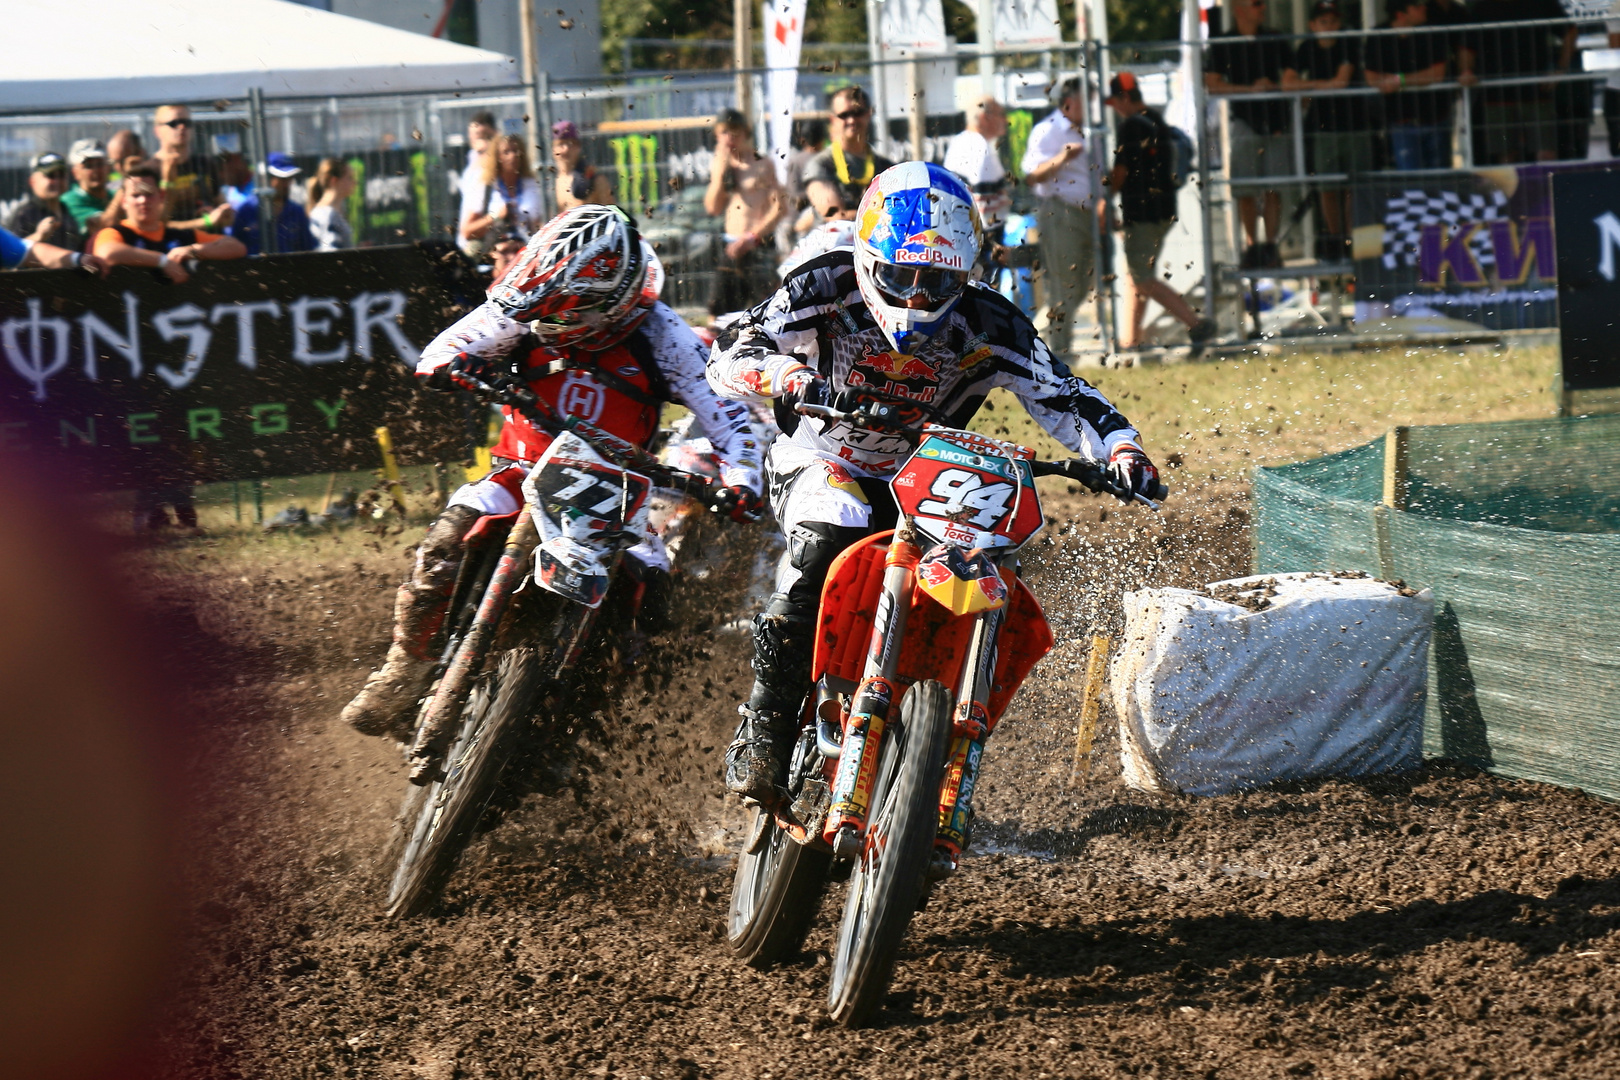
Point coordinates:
[[923, 636], [528, 598]]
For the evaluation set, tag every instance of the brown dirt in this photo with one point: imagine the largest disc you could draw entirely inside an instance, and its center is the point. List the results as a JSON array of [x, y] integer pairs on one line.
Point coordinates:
[[1443, 924]]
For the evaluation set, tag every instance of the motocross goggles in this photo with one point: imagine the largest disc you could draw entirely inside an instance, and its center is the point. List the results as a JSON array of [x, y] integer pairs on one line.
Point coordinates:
[[936, 285]]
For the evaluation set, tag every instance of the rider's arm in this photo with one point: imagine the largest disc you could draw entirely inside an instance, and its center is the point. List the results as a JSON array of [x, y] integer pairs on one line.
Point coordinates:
[[1072, 411], [483, 331], [753, 356], [679, 355]]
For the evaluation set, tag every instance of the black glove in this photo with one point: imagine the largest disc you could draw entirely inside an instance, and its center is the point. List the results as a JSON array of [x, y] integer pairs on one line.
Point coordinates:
[[740, 504], [1133, 473], [469, 372]]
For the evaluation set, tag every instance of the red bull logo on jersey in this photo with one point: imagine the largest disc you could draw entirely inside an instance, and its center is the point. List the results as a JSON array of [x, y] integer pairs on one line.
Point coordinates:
[[897, 374]]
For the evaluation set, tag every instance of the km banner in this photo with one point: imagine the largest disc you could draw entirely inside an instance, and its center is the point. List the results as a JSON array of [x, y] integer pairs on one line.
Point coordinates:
[[277, 366]]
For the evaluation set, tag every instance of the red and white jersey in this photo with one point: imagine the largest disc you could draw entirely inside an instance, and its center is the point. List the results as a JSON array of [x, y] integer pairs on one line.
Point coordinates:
[[661, 360]]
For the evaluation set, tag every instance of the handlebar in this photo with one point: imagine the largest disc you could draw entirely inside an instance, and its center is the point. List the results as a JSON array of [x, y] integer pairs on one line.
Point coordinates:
[[514, 392], [879, 415]]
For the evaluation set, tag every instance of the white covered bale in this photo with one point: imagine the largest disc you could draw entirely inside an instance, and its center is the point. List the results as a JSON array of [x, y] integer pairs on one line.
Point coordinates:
[[1280, 677]]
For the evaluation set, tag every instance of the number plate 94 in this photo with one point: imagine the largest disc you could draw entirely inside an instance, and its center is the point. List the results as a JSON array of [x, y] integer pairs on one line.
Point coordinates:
[[966, 491]]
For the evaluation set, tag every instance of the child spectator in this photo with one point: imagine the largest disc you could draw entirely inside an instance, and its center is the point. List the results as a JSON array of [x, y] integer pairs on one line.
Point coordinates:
[[1147, 200], [507, 197], [41, 215], [190, 189], [330, 188], [144, 238]]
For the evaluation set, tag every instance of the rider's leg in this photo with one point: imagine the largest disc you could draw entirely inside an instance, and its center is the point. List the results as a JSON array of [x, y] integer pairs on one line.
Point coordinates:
[[823, 511], [384, 703]]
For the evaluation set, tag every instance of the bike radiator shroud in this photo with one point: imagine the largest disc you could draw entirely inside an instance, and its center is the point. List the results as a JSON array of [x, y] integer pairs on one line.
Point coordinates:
[[935, 639]]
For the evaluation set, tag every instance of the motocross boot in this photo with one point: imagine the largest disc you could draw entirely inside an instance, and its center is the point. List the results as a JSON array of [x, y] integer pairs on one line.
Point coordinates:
[[757, 760], [383, 706]]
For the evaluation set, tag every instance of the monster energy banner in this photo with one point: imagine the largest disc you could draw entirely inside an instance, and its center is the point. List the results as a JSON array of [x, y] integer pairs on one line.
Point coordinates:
[[1586, 209], [276, 366], [1475, 246]]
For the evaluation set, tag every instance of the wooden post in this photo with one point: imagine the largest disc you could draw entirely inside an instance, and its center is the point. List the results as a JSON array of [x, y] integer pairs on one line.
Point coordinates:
[[918, 102], [385, 442], [326, 503], [236, 497], [1395, 450], [258, 501], [742, 18], [1090, 706]]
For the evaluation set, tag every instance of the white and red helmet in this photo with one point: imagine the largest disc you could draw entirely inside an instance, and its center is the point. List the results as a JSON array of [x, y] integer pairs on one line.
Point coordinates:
[[585, 280]]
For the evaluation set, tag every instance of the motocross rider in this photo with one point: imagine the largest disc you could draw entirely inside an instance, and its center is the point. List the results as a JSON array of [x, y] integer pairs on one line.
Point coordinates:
[[577, 316], [894, 315]]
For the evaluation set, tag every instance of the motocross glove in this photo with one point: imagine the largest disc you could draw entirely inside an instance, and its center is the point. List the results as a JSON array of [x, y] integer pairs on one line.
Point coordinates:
[[740, 504], [802, 386], [1132, 472], [469, 372]]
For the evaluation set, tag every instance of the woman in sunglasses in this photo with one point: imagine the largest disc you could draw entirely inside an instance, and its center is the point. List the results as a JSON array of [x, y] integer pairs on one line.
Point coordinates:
[[896, 317], [835, 179]]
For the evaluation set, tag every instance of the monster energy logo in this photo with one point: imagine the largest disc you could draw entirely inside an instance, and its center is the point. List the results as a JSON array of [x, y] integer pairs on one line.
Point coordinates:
[[1019, 126], [636, 158]]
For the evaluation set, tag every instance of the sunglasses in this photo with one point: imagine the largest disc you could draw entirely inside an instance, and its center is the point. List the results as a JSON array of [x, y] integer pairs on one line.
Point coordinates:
[[53, 174], [182, 122], [852, 114]]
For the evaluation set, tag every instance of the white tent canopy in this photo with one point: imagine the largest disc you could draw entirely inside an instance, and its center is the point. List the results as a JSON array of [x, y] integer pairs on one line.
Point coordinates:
[[140, 52]]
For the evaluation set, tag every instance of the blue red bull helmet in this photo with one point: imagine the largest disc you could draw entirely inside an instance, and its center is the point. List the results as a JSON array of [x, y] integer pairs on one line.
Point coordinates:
[[916, 240]]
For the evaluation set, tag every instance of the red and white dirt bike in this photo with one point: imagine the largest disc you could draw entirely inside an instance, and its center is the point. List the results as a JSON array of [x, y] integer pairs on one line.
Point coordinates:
[[917, 654], [526, 607]]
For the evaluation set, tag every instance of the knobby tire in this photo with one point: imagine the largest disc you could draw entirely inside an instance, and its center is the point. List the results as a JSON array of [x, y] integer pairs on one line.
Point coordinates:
[[775, 895], [437, 820], [889, 878]]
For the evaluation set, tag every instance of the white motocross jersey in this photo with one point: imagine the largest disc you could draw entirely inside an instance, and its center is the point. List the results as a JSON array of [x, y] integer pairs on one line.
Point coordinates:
[[817, 319]]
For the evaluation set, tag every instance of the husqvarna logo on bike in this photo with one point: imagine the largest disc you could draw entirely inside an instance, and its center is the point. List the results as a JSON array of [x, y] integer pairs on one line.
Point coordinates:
[[581, 396]]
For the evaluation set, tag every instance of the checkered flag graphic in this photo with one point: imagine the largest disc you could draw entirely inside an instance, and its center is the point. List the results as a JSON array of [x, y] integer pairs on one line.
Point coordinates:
[[1406, 214]]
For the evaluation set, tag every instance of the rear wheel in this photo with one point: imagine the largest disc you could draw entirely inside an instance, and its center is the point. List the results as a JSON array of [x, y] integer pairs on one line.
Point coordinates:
[[437, 820], [775, 893], [888, 879]]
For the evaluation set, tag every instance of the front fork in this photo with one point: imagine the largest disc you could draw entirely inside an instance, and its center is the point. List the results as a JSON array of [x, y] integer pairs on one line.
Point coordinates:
[[970, 727], [874, 697]]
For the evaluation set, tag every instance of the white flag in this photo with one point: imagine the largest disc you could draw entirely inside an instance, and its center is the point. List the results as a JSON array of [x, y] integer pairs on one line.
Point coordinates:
[[915, 25], [784, 34]]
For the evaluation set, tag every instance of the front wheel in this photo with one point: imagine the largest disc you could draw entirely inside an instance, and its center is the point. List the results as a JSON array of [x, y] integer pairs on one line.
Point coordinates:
[[437, 819], [889, 877], [774, 895]]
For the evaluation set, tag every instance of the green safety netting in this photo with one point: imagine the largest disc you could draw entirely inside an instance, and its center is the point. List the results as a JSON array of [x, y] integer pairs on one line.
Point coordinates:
[[1516, 528]]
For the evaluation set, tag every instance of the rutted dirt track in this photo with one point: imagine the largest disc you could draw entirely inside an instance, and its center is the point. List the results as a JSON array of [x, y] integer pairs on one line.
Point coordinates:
[[1445, 924]]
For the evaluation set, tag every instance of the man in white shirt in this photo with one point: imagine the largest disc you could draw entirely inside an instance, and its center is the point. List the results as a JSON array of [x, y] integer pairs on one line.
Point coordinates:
[[1056, 167], [973, 157]]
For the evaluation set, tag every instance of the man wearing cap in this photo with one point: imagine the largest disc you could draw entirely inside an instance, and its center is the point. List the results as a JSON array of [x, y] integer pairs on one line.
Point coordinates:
[[577, 182], [189, 187], [91, 204], [41, 215], [1143, 178], [292, 223], [1055, 165]]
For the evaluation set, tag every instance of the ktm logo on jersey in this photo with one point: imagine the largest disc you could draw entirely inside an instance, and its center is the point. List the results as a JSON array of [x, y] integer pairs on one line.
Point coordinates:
[[581, 397]]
